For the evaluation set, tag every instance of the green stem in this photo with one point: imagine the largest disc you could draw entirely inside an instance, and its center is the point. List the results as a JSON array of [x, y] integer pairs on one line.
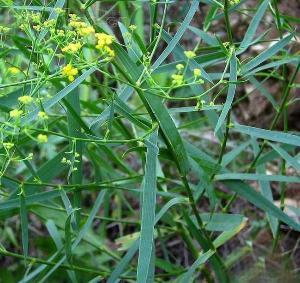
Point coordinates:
[[227, 22]]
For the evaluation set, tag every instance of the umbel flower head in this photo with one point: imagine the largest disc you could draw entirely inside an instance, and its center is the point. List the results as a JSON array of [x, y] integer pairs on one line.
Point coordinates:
[[42, 138], [42, 115], [104, 41], [8, 145], [82, 28], [190, 54], [14, 70], [15, 113], [25, 99], [72, 47], [197, 73], [179, 67], [234, 2], [177, 79], [70, 72]]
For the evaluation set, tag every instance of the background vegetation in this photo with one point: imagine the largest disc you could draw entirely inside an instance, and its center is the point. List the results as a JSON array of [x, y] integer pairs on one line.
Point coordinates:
[[149, 141]]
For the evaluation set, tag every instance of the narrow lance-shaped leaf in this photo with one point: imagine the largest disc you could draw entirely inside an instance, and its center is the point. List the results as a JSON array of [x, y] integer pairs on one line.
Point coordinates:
[[254, 24], [200, 260], [122, 264], [244, 190], [148, 210], [81, 234], [231, 92], [267, 54], [287, 157], [24, 224], [185, 24], [258, 177], [265, 189], [54, 233], [68, 239], [268, 135]]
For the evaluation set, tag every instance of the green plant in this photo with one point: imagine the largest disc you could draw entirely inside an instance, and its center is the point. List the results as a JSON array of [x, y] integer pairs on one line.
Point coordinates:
[[102, 138]]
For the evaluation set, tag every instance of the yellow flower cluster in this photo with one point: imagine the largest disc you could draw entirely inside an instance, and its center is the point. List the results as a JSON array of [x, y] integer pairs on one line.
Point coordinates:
[[190, 54], [234, 2], [60, 32], [8, 145], [179, 67], [4, 29], [132, 27], [25, 99], [197, 73], [70, 72], [104, 43], [49, 23], [42, 138], [72, 47], [177, 79], [15, 113], [14, 70], [42, 115], [82, 28], [36, 17]]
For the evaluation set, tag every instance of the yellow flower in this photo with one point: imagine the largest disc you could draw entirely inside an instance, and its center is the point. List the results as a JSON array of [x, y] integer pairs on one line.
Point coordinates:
[[234, 2], [36, 17], [60, 32], [42, 138], [8, 145], [72, 47], [50, 23], [25, 99], [15, 113], [197, 73], [14, 70], [104, 40], [37, 27], [86, 30], [42, 115], [70, 72], [179, 67], [132, 27], [59, 10], [177, 79], [190, 54], [4, 29], [109, 51]]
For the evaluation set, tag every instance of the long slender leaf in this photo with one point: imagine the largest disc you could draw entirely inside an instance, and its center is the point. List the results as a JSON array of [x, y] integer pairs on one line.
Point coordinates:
[[243, 190], [230, 94], [254, 25], [146, 246], [178, 35]]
